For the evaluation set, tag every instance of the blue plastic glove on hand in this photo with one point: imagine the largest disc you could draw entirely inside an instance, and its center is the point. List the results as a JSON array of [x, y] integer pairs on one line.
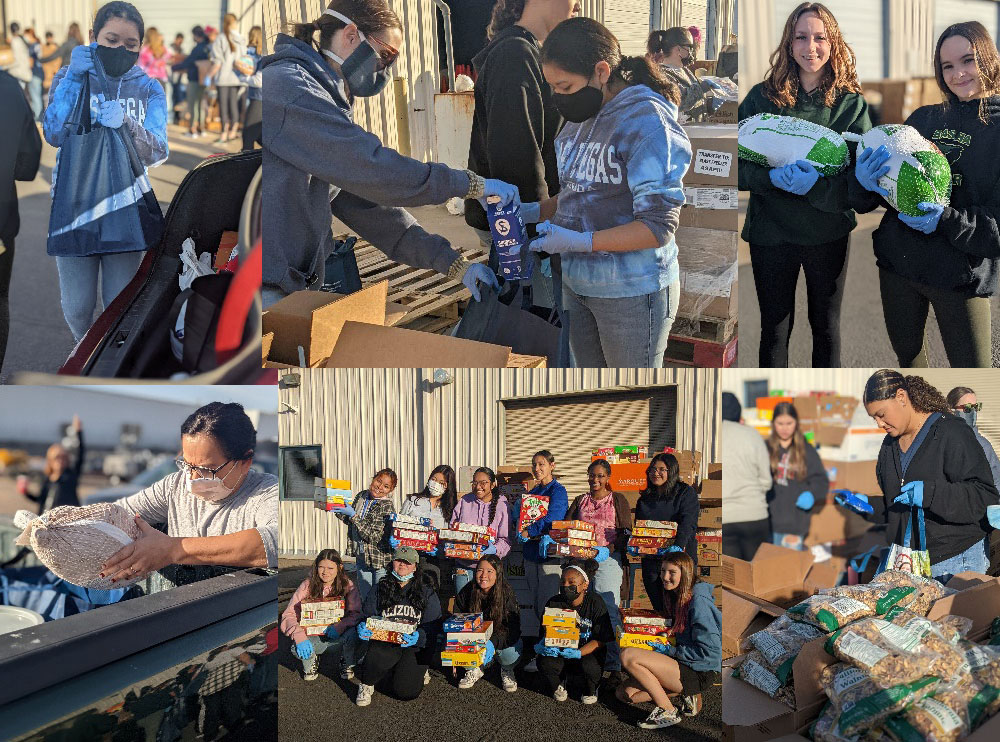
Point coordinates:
[[926, 222], [911, 494], [780, 177], [663, 648], [569, 653], [674, 548], [993, 515], [81, 61], [479, 273], [346, 510], [806, 501], [853, 501], [802, 176], [490, 653], [364, 633], [522, 538], [331, 634], [557, 240], [602, 553], [870, 167], [110, 113], [411, 639], [531, 212], [543, 546], [432, 552], [303, 650], [505, 191], [491, 549], [393, 542], [541, 649]]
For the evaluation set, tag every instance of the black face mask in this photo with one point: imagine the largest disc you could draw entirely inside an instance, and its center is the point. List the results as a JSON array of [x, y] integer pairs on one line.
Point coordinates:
[[116, 60], [569, 593], [581, 105]]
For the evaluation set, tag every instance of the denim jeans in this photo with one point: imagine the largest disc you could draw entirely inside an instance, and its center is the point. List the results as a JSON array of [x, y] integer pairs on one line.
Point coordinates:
[[973, 559], [630, 332], [508, 657], [463, 576], [78, 282], [543, 582], [35, 93], [789, 541], [608, 584], [368, 577], [348, 642]]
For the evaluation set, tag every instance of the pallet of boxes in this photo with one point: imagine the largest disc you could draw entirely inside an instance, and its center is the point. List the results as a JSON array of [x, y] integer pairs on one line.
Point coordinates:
[[705, 331], [709, 533], [466, 635]]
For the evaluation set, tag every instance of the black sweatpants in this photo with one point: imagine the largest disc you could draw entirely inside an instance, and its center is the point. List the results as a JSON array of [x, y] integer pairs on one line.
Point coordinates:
[[6, 268], [252, 126], [383, 658], [740, 540], [556, 670], [775, 274]]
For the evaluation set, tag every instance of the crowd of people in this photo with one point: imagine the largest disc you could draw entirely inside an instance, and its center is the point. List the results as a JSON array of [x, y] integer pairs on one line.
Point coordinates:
[[388, 579]]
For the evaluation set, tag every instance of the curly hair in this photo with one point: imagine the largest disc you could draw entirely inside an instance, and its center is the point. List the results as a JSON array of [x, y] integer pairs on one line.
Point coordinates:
[[505, 14], [796, 468], [987, 62], [781, 83], [884, 383]]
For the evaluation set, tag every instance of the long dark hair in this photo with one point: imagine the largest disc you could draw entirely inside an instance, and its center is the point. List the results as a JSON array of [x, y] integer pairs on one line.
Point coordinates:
[[987, 62], [494, 495], [391, 593], [499, 602], [118, 9], [341, 583], [368, 15], [673, 477], [450, 497], [677, 602], [578, 44], [884, 383], [796, 468]]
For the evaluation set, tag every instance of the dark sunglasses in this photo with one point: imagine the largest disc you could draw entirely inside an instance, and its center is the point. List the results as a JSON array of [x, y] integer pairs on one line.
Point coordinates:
[[978, 406], [387, 53]]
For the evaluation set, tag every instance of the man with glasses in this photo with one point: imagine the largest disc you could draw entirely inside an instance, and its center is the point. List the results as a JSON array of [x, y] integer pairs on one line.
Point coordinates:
[[963, 404], [220, 514]]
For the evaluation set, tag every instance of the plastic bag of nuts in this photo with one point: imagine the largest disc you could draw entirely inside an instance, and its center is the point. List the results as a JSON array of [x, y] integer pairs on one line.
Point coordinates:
[[928, 590], [837, 607], [754, 670], [862, 704], [780, 642], [943, 717]]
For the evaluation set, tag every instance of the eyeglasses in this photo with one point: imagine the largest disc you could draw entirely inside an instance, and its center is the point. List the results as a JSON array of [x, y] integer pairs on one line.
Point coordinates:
[[203, 472], [659, 470], [480, 485], [977, 406], [387, 53]]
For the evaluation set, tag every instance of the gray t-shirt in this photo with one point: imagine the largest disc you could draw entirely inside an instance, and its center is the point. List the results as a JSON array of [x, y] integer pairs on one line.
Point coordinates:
[[253, 505]]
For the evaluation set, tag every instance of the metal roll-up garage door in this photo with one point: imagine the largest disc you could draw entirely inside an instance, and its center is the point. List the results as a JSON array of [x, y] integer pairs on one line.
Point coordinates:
[[571, 426], [628, 20], [693, 13], [860, 22], [947, 12], [180, 16]]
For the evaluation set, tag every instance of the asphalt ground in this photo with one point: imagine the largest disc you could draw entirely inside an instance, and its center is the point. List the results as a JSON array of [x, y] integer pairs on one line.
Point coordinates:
[[864, 340], [323, 710]]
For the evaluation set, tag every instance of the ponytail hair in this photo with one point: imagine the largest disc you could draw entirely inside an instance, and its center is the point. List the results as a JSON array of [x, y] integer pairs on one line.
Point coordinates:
[[578, 44], [924, 397], [505, 14], [228, 24], [368, 15]]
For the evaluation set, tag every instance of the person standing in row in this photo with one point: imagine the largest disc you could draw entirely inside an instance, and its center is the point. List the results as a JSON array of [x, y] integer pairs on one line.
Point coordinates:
[[368, 539], [745, 484], [228, 47], [195, 94], [799, 479], [484, 506], [252, 114]]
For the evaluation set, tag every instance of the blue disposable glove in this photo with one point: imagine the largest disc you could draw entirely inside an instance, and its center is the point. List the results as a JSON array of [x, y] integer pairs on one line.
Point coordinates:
[[411, 639], [926, 222], [432, 552], [557, 240], [806, 501], [490, 549], [911, 494], [393, 542], [477, 272], [853, 501], [663, 648], [346, 510], [584, 636], [543, 545], [303, 650], [531, 213], [490, 653], [364, 633], [110, 113], [780, 177], [602, 554], [993, 515], [802, 176], [331, 634], [674, 548], [870, 167], [541, 649], [569, 653], [81, 61], [505, 191], [522, 538]]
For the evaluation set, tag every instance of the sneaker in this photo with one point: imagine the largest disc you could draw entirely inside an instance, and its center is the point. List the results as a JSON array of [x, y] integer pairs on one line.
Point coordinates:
[[560, 694], [507, 679], [347, 672], [190, 135], [364, 694], [660, 719], [427, 677], [471, 676], [310, 668], [690, 705], [589, 700], [531, 666]]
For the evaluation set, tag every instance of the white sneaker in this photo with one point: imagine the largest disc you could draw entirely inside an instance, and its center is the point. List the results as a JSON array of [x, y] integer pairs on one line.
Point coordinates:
[[364, 694], [660, 719], [690, 705], [588, 700], [310, 668], [472, 675], [531, 666], [507, 679], [560, 694], [427, 677], [347, 672]]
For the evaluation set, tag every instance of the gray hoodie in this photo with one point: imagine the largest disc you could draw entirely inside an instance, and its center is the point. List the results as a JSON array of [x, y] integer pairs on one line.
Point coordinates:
[[317, 160]]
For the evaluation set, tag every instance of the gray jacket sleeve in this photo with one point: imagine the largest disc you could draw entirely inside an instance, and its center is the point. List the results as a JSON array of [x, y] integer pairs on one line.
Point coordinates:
[[764, 467], [395, 232], [991, 457]]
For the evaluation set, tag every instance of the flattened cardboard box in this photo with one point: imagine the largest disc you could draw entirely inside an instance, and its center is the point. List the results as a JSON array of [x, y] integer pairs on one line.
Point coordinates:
[[778, 575]]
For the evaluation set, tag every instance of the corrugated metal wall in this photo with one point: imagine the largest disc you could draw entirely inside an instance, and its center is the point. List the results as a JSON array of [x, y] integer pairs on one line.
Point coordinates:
[[369, 418], [249, 12], [914, 21], [629, 21], [52, 15]]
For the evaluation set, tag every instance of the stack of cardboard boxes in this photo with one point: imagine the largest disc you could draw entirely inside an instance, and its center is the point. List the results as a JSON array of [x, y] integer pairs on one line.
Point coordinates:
[[892, 101], [317, 615], [709, 534], [466, 541], [466, 637], [641, 627], [651, 538], [414, 532], [560, 628], [573, 538]]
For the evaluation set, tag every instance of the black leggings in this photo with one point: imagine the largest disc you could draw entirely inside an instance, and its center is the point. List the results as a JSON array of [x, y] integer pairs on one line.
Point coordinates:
[[383, 658], [252, 123], [740, 540], [775, 274], [6, 268], [964, 322], [229, 105], [590, 667]]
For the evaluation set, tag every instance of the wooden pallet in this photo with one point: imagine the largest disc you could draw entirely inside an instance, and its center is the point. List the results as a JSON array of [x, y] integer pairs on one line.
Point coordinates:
[[688, 351]]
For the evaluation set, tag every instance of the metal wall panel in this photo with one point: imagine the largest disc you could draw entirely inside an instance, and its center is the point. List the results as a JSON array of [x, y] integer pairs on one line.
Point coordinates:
[[947, 12], [592, 9], [629, 21], [757, 41], [912, 46], [369, 418], [52, 15]]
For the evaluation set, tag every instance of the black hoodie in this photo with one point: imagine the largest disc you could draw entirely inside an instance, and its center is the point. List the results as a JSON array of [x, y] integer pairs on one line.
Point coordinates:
[[958, 487], [963, 253], [786, 516], [515, 123]]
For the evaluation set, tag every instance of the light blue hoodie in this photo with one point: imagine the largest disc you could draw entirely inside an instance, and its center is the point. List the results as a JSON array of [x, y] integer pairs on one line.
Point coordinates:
[[623, 165]]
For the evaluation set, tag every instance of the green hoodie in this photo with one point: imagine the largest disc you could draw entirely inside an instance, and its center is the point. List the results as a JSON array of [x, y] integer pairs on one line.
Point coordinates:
[[776, 217]]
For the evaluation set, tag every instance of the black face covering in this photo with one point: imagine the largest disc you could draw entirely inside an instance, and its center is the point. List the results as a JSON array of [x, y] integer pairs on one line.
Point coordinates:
[[569, 593], [116, 60], [581, 105]]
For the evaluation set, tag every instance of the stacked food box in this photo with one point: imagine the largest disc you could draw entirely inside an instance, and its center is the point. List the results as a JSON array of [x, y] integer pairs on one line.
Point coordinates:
[[641, 627], [317, 615], [709, 534], [651, 538], [532, 508], [560, 628], [573, 538], [415, 532], [633, 454], [331, 494], [466, 637], [466, 541], [391, 630]]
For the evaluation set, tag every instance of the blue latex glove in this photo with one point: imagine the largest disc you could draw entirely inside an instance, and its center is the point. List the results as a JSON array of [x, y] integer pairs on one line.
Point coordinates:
[[541, 649], [531, 213], [663, 648], [411, 639], [393, 542], [364, 633], [507, 192], [805, 501], [602, 554], [303, 650], [477, 272], [110, 113], [331, 634], [802, 176], [926, 222], [911, 494], [780, 177], [490, 652], [81, 62], [870, 167], [491, 549], [584, 636], [569, 653], [432, 552], [852, 501], [993, 515], [522, 538], [557, 240], [543, 545], [674, 548], [346, 510]]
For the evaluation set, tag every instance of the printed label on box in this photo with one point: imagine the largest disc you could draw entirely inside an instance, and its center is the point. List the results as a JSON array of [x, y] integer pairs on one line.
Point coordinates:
[[710, 162], [711, 198]]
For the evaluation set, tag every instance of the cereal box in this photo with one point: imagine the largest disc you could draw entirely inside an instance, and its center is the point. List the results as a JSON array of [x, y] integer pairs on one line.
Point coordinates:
[[571, 533], [463, 659], [463, 622], [566, 550], [578, 525], [533, 508], [386, 624]]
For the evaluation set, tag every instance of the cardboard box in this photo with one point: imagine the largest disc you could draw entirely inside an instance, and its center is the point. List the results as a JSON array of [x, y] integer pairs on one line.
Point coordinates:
[[463, 537], [643, 641], [650, 542], [465, 552], [711, 575], [627, 478], [463, 659], [576, 525], [375, 623], [710, 513], [713, 155], [568, 550], [463, 622], [743, 615], [480, 634], [709, 547], [572, 533], [711, 489], [706, 257], [532, 508], [833, 524], [710, 208], [562, 636], [727, 113], [857, 476], [778, 575]]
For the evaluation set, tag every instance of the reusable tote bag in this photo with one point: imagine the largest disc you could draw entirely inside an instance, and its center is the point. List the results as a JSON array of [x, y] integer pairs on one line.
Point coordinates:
[[905, 559], [102, 201]]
